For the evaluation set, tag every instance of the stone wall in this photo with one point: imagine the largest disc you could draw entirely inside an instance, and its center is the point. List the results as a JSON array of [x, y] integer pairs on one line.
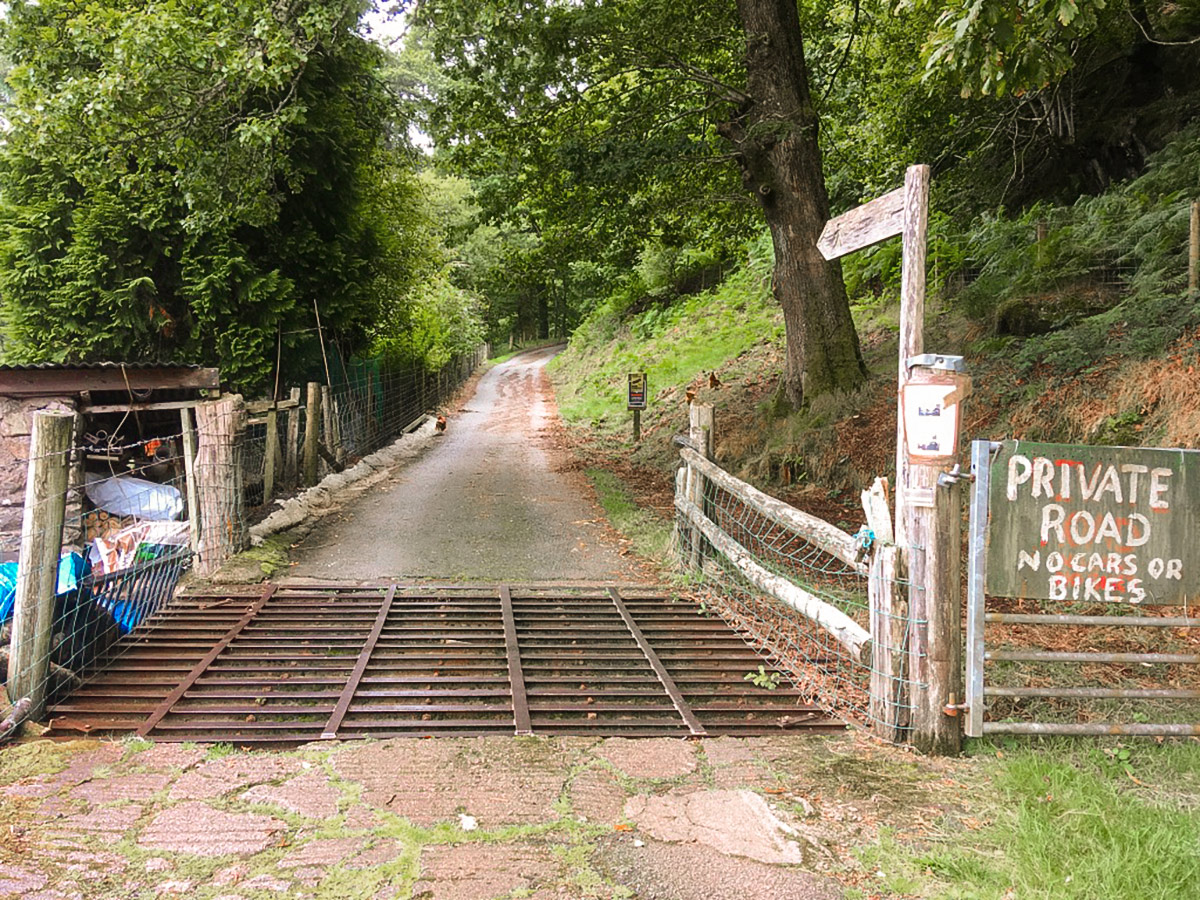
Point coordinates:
[[16, 425]]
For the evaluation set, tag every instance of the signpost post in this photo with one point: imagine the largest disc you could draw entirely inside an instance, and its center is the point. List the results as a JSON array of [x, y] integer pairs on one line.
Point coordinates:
[[638, 389], [928, 504]]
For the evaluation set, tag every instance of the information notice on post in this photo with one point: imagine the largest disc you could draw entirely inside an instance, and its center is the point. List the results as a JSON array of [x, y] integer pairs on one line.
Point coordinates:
[[638, 389], [1081, 524]]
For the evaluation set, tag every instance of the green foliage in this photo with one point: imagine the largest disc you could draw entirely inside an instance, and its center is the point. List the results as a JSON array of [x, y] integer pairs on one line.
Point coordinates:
[[998, 46], [183, 183], [1108, 275], [673, 344], [763, 679], [1063, 820], [649, 534], [439, 321]]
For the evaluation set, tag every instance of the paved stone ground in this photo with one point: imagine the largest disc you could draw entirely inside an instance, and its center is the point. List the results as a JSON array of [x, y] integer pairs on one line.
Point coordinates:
[[466, 819]]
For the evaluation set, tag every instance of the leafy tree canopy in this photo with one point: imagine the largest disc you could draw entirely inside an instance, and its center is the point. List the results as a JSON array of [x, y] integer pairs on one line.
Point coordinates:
[[183, 181]]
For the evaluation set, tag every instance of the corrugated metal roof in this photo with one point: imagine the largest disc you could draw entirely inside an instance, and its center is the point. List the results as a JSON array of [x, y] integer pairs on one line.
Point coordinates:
[[62, 379], [36, 367]]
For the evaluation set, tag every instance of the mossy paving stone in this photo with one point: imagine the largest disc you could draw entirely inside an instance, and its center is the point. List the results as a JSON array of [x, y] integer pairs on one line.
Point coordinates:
[[139, 787], [499, 781], [81, 767], [107, 822], [598, 797], [724, 751], [167, 757], [692, 871], [311, 796], [478, 871], [650, 757], [321, 852], [20, 881], [738, 823], [199, 829], [734, 764], [221, 776]]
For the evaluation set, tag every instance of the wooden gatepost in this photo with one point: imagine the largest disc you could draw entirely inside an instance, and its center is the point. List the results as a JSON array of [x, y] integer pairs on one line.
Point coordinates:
[[916, 633]]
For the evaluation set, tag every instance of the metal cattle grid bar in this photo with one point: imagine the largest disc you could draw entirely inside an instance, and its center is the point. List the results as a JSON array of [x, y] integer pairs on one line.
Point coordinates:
[[295, 663]]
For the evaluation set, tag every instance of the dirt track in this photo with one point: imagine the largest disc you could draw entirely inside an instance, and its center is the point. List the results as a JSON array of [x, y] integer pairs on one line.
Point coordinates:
[[493, 501]]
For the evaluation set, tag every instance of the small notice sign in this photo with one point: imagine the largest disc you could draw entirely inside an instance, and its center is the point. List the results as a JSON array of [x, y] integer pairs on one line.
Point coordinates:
[[930, 423], [637, 390], [1094, 524]]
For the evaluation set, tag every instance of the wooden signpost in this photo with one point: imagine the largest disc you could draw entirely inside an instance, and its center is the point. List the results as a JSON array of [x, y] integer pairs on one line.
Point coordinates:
[[928, 504]]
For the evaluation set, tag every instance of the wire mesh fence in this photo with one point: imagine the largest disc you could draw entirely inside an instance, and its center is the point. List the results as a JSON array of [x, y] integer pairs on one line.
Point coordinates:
[[102, 548], [806, 602], [115, 515]]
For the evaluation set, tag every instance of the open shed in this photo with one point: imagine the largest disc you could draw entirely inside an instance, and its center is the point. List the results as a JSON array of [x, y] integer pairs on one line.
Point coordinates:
[[119, 407]]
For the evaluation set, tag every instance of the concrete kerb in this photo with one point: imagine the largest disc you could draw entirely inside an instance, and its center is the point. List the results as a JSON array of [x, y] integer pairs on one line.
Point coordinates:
[[324, 498]]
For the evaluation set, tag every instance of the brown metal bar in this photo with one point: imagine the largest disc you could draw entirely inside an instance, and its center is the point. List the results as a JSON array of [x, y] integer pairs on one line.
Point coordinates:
[[364, 656], [660, 670], [197, 670], [515, 675]]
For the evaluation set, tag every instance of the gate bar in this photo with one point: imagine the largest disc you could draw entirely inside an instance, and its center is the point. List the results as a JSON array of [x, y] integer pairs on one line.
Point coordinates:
[[1083, 657], [197, 670], [1122, 621], [1133, 729], [981, 468], [668, 683], [1085, 693], [516, 675], [348, 690]]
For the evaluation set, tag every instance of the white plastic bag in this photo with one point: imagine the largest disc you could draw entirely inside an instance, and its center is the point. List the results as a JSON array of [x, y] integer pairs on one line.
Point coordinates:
[[124, 495]]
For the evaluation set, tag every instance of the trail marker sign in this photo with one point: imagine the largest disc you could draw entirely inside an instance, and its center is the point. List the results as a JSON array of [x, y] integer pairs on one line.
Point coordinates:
[[637, 390], [1094, 524]]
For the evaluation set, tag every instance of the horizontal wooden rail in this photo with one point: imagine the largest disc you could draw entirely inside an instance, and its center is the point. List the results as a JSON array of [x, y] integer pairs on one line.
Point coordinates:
[[844, 629], [829, 538]]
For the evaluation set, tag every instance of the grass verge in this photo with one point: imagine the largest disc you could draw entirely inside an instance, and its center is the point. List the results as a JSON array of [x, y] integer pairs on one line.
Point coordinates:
[[649, 534], [1062, 819]]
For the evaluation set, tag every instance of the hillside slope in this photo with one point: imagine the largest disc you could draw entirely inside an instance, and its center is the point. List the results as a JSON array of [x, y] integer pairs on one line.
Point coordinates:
[[1075, 322]]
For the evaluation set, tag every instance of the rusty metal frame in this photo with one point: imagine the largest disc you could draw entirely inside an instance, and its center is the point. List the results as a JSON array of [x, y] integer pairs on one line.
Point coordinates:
[[294, 663]]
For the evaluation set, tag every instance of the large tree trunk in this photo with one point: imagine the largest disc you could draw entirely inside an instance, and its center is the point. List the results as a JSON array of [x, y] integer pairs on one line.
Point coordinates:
[[774, 133]]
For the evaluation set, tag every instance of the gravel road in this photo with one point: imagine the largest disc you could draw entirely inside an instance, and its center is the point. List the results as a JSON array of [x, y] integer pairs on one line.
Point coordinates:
[[494, 500]]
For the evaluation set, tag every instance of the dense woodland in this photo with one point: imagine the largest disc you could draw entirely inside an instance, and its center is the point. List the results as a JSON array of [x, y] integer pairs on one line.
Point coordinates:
[[200, 181]]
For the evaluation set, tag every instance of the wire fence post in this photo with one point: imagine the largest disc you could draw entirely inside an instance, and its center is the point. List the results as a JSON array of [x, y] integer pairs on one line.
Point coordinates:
[[312, 433], [1194, 249], [41, 545], [270, 463], [188, 438], [221, 424], [889, 703], [700, 429], [291, 465]]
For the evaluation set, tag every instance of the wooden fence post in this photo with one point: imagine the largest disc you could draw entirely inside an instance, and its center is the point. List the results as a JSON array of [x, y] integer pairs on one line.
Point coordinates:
[[890, 701], [1194, 248], [220, 425], [272, 450], [933, 730], [291, 465], [188, 436], [312, 433], [700, 433], [41, 545]]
